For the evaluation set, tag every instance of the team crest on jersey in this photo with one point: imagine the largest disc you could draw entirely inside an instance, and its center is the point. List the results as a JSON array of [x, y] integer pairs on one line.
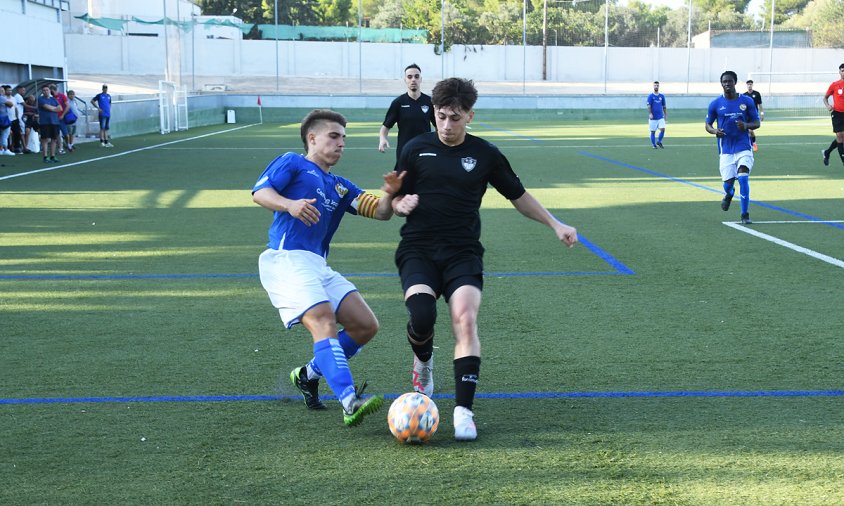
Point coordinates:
[[742, 107], [341, 190], [468, 163], [425, 109]]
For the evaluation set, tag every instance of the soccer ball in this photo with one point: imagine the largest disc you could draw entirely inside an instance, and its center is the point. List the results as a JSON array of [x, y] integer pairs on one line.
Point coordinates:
[[413, 418]]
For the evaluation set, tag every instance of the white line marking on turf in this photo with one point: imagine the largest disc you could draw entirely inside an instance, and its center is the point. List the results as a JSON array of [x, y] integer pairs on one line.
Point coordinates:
[[82, 162], [800, 249]]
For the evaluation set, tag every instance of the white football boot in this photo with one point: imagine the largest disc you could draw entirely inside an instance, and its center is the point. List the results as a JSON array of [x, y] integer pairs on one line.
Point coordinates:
[[464, 424], [423, 376]]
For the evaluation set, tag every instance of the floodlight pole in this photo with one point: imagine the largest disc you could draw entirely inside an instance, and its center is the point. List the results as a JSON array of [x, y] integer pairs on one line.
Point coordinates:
[[442, 38], [689, 49], [524, 47], [166, 48], [606, 41], [275, 11], [771, 48]]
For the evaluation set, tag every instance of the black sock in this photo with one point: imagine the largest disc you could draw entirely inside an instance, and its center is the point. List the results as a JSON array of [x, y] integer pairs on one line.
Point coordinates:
[[832, 146], [841, 151], [466, 372]]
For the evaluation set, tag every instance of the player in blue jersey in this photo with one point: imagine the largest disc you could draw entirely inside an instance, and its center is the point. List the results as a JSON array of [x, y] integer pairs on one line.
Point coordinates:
[[308, 201], [657, 111], [102, 101], [736, 115]]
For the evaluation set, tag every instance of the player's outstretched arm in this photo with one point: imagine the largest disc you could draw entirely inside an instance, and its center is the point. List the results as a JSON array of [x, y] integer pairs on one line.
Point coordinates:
[[530, 207], [302, 209]]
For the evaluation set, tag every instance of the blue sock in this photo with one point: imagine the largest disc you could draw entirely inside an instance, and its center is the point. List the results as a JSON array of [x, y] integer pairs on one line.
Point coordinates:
[[729, 189], [653, 138], [744, 191], [331, 360], [661, 135], [350, 349]]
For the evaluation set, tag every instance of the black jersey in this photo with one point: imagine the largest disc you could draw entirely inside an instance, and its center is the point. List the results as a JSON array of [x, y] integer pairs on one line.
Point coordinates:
[[413, 116], [756, 96], [451, 182]]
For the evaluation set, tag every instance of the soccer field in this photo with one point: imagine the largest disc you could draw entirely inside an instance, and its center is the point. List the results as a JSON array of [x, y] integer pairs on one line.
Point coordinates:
[[673, 357]]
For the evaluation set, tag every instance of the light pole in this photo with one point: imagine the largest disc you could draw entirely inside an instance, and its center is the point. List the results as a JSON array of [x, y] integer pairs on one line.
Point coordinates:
[[193, 51]]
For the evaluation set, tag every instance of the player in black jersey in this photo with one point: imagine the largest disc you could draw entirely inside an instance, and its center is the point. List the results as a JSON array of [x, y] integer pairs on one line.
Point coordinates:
[[757, 99], [413, 112], [447, 173]]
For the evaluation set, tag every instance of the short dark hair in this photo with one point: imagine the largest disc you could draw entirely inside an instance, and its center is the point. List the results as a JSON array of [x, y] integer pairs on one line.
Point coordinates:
[[454, 92], [412, 66], [317, 118], [749, 81], [656, 82], [728, 73], [841, 66]]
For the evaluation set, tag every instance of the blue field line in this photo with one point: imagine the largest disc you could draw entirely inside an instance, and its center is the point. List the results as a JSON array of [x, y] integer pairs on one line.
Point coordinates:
[[619, 267], [713, 190], [499, 395]]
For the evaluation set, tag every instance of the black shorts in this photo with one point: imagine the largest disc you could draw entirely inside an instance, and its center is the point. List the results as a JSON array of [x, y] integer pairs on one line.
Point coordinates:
[[444, 268], [49, 131], [837, 121]]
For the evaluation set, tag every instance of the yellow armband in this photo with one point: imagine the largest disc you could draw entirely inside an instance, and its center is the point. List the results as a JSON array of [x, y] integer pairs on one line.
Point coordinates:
[[366, 204]]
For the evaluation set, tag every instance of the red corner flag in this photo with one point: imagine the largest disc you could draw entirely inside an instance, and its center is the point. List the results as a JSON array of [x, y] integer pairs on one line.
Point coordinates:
[[259, 100]]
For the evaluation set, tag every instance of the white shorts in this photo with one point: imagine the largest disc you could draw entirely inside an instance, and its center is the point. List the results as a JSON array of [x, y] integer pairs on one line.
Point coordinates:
[[729, 164], [656, 124], [298, 280]]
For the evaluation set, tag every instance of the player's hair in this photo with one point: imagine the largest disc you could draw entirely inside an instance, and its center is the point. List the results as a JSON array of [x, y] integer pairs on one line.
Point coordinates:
[[412, 66], [749, 81], [656, 82], [455, 92], [316, 119], [729, 73], [841, 66]]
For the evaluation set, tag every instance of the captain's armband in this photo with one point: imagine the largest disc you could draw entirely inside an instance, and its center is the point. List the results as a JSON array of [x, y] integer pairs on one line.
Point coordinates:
[[366, 204]]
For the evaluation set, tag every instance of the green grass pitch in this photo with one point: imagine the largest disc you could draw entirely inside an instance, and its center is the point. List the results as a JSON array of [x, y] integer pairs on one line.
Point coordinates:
[[668, 359]]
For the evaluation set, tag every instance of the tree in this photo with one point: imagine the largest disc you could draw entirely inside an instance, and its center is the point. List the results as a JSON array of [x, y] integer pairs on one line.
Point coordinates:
[[825, 19]]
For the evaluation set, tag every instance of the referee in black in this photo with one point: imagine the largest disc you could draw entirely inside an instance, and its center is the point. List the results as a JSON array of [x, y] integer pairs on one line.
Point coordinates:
[[440, 251], [413, 112]]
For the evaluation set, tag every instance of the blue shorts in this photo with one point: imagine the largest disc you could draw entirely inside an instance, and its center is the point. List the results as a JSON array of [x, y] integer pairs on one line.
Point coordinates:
[[104, 122]]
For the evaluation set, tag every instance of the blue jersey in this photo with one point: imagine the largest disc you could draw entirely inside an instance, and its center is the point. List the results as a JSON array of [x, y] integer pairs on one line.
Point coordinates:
[[295, 177], [657, 103], [104, 103], [46, 117], [727, 112]]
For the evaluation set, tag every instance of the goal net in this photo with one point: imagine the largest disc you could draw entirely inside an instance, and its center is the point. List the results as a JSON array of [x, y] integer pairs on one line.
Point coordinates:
[[172, 107]]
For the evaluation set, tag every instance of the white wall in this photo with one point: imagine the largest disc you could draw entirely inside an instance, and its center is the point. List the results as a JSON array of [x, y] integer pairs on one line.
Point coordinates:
[[38, 27], [102, 54]]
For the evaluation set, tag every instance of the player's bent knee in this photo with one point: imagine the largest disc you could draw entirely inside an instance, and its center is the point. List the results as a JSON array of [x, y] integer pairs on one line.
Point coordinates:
[[422, 309]]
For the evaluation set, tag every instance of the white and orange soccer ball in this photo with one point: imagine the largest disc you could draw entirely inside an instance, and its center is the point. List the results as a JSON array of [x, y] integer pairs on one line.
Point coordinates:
[[413, 418]]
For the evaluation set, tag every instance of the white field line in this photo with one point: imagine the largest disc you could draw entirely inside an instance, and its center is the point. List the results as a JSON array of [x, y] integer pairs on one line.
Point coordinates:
[[82, 162], [786, 222], [800, 249]]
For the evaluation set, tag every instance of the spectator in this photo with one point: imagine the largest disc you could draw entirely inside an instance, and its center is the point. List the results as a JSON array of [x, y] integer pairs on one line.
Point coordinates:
[[17, 130], [30, 121], [70, 118], [48, 112], [62, 98], [5, 121]]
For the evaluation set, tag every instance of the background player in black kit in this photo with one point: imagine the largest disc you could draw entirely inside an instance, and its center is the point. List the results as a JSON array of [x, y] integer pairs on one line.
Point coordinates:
[[447, 173], [757, 99], [413, 112]]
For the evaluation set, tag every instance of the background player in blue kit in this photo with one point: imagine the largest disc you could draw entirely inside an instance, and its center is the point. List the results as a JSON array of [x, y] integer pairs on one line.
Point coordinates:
[[102, 101], [657, 110], [308, 202], [736, 114], [413, 111]]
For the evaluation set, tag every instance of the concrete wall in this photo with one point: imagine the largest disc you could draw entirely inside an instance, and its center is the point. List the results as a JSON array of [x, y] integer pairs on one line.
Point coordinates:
[[33, 42], [114, 54]]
